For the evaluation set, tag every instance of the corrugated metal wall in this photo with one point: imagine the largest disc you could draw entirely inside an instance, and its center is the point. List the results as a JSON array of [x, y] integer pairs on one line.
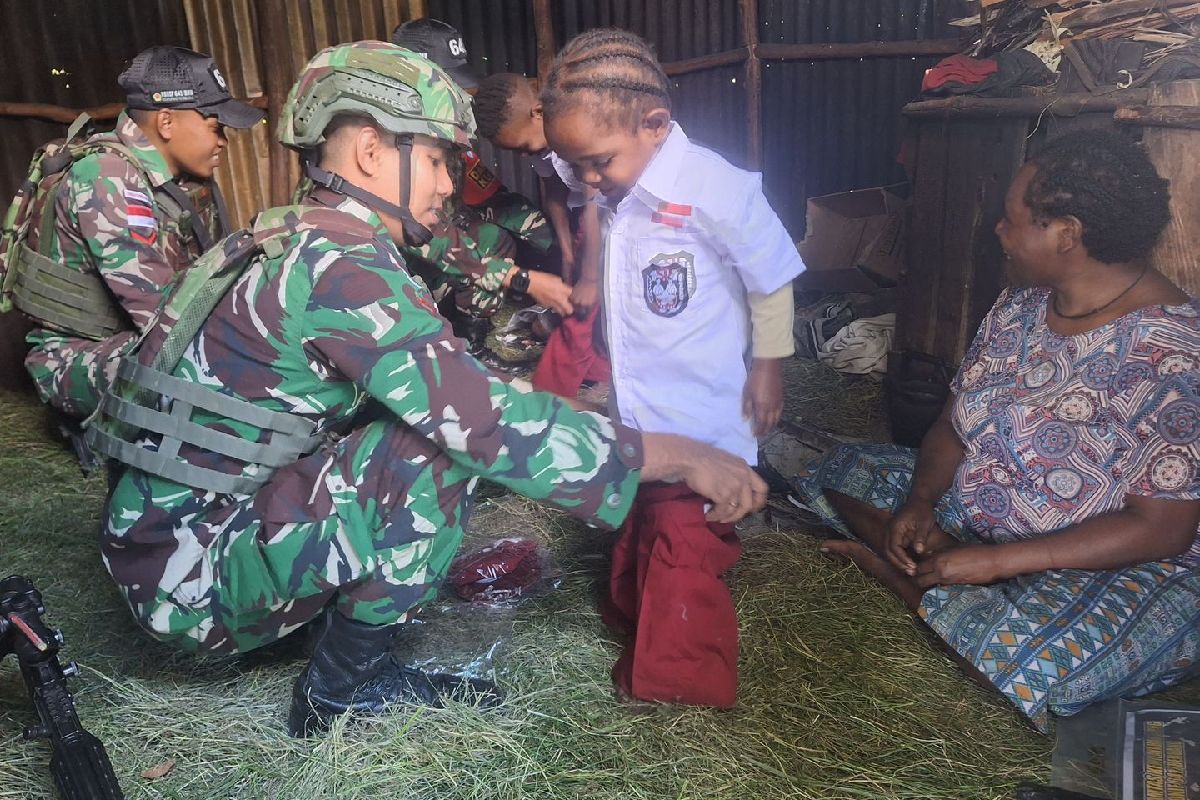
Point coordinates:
[[499, 35], [830, 126], [67, 53], [827, 125]]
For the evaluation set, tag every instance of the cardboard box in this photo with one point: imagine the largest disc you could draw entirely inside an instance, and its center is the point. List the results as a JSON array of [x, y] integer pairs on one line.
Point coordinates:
[[855, 241]]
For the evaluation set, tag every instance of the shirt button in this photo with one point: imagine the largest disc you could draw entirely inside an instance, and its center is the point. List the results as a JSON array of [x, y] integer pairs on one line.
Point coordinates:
[[614, 500], [628, 450]]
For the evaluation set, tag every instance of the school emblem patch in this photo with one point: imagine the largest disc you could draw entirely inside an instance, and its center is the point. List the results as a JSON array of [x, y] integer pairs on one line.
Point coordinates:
[[669, 282]]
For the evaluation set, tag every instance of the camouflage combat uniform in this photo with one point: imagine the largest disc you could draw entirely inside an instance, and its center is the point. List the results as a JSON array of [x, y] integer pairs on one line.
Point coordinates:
[[471, 253], [107, 221], [371, 520]]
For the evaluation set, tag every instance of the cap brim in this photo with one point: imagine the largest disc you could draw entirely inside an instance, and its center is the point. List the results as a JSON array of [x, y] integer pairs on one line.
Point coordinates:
[[234, 114], [464, 76]]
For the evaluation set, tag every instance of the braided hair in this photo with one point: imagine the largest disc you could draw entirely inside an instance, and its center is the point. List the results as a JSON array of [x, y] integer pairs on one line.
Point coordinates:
[[493, 102], [1107, 182], [611, 72]]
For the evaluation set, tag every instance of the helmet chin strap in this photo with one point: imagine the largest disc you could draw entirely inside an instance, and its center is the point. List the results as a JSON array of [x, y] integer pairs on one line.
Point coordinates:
[[415, 233]]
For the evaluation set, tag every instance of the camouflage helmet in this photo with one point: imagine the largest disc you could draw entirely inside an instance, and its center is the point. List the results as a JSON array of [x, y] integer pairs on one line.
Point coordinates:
[[402, 91]]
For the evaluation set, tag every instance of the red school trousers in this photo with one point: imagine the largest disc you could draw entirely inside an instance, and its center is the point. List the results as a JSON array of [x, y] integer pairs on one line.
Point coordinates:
[[667, 595]]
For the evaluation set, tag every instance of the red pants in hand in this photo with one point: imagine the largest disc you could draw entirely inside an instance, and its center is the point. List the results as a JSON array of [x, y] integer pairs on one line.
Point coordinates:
[[570, 357], [666, 593]]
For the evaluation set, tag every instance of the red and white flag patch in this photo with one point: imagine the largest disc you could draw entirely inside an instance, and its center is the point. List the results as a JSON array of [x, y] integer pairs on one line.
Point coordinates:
[[139, 215], [671, 214]]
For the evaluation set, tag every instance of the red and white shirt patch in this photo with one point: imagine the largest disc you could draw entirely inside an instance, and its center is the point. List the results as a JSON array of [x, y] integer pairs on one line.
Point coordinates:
[[139, 216], [671, 214]]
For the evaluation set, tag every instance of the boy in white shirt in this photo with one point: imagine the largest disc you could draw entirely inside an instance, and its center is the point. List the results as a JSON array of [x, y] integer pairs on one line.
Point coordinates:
[[698, 314]]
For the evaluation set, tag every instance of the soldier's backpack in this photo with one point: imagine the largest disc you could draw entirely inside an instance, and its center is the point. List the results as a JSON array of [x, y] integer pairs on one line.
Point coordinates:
[[147, 400], [54, 295]]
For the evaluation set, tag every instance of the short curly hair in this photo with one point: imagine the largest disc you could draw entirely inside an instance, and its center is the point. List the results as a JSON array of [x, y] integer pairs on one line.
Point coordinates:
[[1106, 181], [493, 101]]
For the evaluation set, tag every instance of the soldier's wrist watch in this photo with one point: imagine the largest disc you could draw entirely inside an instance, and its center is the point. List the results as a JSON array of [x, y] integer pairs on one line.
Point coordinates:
[[519, 284]]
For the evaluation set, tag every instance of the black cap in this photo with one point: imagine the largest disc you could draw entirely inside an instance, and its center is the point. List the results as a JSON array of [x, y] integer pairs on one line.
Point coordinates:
[[441, 43], [175, 77]]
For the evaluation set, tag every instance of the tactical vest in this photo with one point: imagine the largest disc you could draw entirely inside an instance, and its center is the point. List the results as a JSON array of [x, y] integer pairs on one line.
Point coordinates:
[[57, 296], [147, 399]]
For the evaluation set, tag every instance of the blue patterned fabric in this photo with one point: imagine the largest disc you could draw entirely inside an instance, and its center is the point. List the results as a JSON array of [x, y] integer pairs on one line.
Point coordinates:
[[1051, 642]]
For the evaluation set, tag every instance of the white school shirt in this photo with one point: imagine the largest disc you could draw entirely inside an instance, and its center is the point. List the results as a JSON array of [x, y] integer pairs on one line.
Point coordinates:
[[685, 245], [549, 165]]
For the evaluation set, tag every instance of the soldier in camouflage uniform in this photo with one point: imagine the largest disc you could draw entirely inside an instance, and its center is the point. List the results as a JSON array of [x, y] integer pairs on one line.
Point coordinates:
[[241, 546], [474, 253], [137, 224]]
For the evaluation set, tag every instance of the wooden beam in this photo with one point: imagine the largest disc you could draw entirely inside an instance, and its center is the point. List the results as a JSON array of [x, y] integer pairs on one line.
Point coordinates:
[[1063, 105], [840, 50], [543, 25], [59, 113], [276, 59], [815, 52], [754, 136], [722, 59], [1160, 116], [67, 115]]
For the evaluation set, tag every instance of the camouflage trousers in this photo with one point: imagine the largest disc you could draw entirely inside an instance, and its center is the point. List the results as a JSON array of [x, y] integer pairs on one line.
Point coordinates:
[[369, 524], [70, 374]]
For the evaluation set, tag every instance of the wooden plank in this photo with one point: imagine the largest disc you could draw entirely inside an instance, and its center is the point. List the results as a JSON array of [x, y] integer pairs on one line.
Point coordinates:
[[1173, 151], [960, 224], [918, 282], [986, 274]]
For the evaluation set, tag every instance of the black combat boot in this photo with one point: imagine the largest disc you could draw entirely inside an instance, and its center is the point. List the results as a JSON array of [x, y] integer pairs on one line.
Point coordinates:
[[352, 670]]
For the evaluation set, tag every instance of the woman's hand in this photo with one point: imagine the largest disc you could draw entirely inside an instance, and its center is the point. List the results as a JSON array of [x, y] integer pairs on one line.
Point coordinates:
[[974, 564], [909, 532]]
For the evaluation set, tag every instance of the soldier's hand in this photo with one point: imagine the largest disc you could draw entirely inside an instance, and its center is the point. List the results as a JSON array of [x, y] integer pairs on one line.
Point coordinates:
[[734, 489], [584, 296], [550, 291]]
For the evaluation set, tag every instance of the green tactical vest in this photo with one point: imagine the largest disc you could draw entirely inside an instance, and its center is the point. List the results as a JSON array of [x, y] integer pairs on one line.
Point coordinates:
[[54, 295], [147, 399]]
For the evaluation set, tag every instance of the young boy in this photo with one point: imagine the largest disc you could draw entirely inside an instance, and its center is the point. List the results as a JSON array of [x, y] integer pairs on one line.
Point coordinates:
[[509, 114], [698, 314]]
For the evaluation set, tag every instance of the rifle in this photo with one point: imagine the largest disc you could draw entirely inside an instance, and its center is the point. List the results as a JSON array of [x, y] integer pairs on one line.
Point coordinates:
[[79, 766]]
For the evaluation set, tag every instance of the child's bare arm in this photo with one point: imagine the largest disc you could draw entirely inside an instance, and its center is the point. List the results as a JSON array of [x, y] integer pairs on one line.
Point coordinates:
[[587, 284], [771, 317], [554, 202]]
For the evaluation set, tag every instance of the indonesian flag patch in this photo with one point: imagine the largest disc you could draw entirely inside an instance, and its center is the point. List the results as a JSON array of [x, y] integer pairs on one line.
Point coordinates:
[[139, 216]]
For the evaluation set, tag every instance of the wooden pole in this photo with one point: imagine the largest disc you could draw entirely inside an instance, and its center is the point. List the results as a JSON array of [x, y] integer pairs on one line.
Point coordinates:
[[722, 59], [59, 113], [1160, 116], [543, 24], [1063, 105], [277, 81], [753, 85], [836, 50]]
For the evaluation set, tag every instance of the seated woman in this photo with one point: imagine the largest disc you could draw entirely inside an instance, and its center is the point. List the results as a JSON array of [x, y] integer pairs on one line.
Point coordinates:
[[1047, 529]]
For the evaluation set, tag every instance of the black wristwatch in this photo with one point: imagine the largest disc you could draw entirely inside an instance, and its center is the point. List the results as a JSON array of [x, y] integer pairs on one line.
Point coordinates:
[[519, 284]]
